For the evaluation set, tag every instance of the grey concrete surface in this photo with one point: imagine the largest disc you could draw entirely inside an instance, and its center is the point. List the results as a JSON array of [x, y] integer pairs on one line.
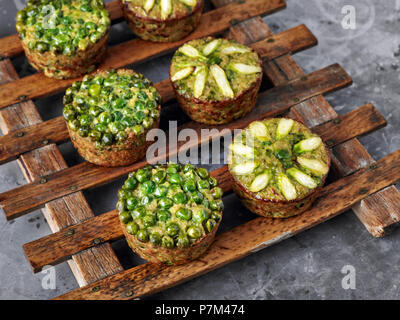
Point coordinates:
[[307, 266]]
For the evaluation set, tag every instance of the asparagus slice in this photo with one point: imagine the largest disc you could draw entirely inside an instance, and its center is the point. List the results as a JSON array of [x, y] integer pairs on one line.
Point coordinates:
[[244, 168], [260, 182], [287, 188], [315, 166], [258, 129], [148, 5], [200, 81], [190, 51], [284, 127], [242, 150], [182, 74], [302, 178], [309, 144], [221, 80], [233, 49], [211, 47], [245, 68], [166, 8], [190, 3]]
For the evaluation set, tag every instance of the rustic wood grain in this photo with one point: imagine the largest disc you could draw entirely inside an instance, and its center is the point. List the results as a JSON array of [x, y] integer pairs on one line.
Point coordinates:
[[86, 175], [250, 237], [64, 211], [57, 247], [212, 22], [55, 130]]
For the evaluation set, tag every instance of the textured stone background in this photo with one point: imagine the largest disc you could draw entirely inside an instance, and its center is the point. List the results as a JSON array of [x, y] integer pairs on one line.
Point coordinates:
[[307, 266]]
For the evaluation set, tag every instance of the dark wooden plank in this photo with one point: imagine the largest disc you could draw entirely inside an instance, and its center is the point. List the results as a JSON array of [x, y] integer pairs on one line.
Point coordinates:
[[212, 22], [28, 139], [10, 46], [57, 247], [60, 212], [250, 237], [86, 175]]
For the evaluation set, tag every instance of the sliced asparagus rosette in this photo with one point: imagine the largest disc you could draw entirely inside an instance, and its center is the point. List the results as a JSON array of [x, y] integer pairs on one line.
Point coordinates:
[[224, 83], [278, 165]]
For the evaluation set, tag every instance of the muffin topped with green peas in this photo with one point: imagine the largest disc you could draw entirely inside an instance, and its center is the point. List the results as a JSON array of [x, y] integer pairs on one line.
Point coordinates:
[[216, 80], [170, 213], [162, 20], [108, 115], [278, 167], [64, 38]]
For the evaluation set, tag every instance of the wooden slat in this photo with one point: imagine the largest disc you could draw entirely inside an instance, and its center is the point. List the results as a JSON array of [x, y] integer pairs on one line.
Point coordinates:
[[212, 22], [350, 157], [64, 211], [86, 175], [250, 237], [28, 139], [10, 46], [57, 247]]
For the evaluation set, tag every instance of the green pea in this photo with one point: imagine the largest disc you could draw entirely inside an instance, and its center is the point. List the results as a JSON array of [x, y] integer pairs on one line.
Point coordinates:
[[128, 122], [105, 117], [90, 25], [101, 127], [190, 175], [139, 105], [83, 131], [132, 228], [180, 198], [159, 176], [188, 167], [115, 127], [139, 116], [132, 203], [168, 242], [145, 200], [163, 215], [160, 191], [82, 33], [66, 20], [175, 178], [197, 197], [85, 119], [121, 206], [216, 216], [138, 130], [86, 8], [21, 15], [123, 194], [203, 173], [184, 214], [173, 168], [95, 135], [182, 241], [131, 183], [69, 114], [217, 205], [194, 232], [213, 182], [217, 193], [94, 111], [189, 185], [139, 212], [155, 238], [203, 185], [172, 229], [121, 136], [200, 215], [119, 103], [107, 139], [155, 114], [42, 47], [94, 90], [149, 221], [210, 224], [125, 217], [148, 187], [148, 122], [165, 203], [142, 175], [142, 235]]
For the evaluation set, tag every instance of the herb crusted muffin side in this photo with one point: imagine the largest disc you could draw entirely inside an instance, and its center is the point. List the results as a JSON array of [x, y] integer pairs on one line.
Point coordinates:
[[216, 80], [162, 20], [170, 213], [64, 38], [278, 167], [108, 115]]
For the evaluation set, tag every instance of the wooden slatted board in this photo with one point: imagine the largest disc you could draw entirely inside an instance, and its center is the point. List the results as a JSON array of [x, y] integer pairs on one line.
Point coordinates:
[[83, 240]]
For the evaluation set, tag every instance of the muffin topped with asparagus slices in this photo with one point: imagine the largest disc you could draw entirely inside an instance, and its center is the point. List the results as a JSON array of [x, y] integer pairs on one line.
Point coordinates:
[[162, 20], [170, 213], [64, 38], [216, 80], [108, 115], [278, 167]]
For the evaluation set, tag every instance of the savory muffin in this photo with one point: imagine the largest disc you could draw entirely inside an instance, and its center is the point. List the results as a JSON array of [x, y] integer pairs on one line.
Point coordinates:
[[278, 167], [216, 80], [170, 213], [162, 20], [64, 38], [108, 115]]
